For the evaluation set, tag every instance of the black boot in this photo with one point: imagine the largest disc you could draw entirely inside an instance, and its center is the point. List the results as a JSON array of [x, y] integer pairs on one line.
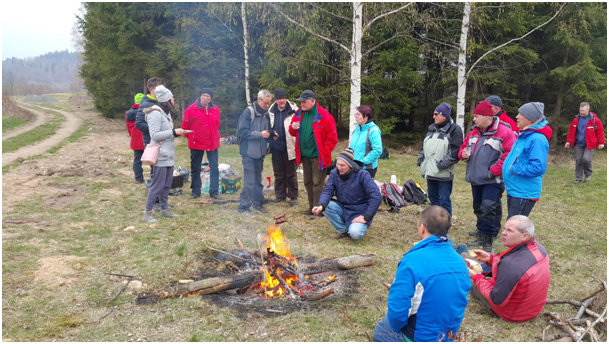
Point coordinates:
[[475, 233], [487, 242], [477, 242]]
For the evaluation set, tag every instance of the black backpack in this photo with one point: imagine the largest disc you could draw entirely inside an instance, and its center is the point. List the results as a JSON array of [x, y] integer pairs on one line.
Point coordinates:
[[392, 197], [413, 193], [385, 154]]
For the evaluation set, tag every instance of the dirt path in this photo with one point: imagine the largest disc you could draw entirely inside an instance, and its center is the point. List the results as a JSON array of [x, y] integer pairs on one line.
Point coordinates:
[[39, 119], [88, 157], [71, 124]]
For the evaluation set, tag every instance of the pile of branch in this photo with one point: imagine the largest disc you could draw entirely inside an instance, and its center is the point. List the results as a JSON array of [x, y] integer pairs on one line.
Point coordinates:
[[245, 280], [579, 326]]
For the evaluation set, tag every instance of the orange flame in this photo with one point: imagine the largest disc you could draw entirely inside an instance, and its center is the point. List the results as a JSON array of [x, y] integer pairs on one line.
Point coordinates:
[[279, 244]]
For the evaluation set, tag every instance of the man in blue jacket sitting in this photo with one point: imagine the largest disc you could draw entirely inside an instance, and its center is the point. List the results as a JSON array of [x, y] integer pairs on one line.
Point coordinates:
[[428, 296], [357, 198]]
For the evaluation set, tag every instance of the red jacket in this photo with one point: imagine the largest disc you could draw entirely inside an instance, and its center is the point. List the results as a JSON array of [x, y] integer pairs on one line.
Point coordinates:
[[204, 125], [505, 118], [595, 134], [137, 142], [519, 287], [324, 129]]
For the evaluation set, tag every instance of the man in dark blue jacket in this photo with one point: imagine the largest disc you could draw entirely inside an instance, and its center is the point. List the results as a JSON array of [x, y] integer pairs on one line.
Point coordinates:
[[428, 296], [357, 198], [148, 101]]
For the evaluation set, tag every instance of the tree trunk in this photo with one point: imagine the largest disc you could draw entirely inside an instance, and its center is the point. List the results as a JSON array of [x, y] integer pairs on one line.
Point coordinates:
[[356, 65], [343, 263], [216, 284], [461, 76], [245, 55]]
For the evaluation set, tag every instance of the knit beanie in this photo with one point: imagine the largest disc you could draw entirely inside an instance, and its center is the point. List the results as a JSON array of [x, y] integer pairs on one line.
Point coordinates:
[[494, 100], [163, 94], [138, 98], [280, 93], [208, 91], [532, 111], [347, 156], [484, 109], [445, 109]]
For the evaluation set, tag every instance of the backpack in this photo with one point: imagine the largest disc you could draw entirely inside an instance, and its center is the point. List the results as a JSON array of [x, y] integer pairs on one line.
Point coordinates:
[[385, 154], [392, 197], [252, 115], [413, 193]]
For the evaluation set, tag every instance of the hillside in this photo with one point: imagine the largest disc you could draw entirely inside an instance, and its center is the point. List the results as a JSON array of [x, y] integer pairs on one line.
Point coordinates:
[[48, 73]]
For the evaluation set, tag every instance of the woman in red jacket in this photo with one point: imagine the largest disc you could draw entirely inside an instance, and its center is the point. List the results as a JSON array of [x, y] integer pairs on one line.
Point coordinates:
[[203, 119]]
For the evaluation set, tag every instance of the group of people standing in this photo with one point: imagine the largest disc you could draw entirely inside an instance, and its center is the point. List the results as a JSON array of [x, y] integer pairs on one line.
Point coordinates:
[[501, 155]]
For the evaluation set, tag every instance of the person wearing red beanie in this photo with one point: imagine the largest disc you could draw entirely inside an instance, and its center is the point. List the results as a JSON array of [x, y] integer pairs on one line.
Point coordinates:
[[484, 149]]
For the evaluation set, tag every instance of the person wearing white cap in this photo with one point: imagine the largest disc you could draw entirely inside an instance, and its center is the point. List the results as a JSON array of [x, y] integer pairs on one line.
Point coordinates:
[[160, 126], [525, 165]]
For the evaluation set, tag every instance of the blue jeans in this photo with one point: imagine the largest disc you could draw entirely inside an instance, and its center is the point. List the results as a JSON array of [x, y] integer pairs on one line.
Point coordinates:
[[138, 171], [196, 157], [384, 333], [334, 213], [439, 193], [519, 206]]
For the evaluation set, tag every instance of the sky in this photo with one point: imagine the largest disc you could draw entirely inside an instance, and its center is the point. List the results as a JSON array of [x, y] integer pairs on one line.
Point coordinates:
[[34, 28]]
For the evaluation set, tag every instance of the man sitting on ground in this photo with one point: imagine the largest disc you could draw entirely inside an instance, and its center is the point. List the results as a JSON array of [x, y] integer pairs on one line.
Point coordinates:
[[357, 198], [428, 296], [521, 275]]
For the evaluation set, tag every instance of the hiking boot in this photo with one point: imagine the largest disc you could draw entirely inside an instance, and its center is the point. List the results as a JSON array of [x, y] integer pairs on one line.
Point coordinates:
[[276, 200], [260, 209], [244, 210], [139, 180], [215, 196], [587, 179], [168, 213], [293, 202], [338, 235], [193, 196], [148, 217], [577, 181], [487, 242], [475, 233]]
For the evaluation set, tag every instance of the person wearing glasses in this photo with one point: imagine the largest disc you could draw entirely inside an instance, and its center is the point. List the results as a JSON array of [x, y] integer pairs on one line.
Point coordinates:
[[439, 155], [366, 141], [254, 134]]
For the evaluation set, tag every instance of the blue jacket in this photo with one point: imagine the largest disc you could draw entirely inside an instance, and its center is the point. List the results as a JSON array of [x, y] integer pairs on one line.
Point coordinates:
[[428, 296], [358, 195], [524, 167], [358, 144], [140, 117]]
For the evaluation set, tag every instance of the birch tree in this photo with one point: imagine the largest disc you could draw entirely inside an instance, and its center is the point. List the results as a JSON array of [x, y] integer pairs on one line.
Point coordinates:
[[462, 74], [245, 54], [354, 51]]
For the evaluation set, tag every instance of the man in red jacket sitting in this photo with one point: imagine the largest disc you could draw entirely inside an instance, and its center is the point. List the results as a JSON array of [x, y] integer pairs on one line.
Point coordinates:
[[518, 288], [586, 133], [203, 119]]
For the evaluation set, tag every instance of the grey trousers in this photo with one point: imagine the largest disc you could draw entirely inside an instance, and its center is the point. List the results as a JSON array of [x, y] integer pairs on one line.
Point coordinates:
[[161, 184], [583, 162], [313, 180]]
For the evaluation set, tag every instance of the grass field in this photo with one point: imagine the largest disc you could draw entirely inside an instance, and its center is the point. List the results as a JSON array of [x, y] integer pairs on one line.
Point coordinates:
[[86, 228], [35, 135]]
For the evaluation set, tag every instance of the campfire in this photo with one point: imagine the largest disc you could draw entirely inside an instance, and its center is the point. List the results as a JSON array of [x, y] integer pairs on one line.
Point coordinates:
[[272, 271], [281, 269]]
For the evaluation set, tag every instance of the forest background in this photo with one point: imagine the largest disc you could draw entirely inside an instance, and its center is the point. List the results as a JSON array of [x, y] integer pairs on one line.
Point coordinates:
[[556, 54]]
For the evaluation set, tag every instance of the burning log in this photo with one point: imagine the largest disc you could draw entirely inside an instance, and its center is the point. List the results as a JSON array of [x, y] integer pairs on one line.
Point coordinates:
[[318, 296], [343, 263], [215, 285]]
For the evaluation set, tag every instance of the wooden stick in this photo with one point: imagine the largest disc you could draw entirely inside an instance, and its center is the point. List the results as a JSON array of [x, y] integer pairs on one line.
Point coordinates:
[[282, 281], [583, 308], [574, 303], [593, 324], [344, 263], [603, 287], [214, 284], [558, 322], [318, 296]]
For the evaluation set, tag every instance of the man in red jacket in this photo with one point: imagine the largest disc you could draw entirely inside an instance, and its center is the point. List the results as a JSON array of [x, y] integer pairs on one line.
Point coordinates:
[[315, 131], [137, 142], [586, 133], [202, 118], [518, 288]]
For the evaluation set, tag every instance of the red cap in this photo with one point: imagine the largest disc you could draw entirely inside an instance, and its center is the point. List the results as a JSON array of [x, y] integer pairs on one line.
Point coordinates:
[[484, 109]]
